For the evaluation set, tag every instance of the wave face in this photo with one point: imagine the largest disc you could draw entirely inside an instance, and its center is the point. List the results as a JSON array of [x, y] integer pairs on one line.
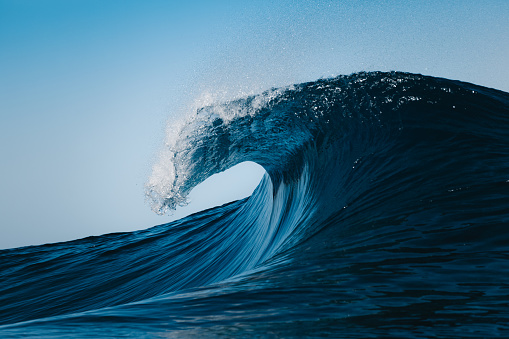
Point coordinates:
[[384, 212]]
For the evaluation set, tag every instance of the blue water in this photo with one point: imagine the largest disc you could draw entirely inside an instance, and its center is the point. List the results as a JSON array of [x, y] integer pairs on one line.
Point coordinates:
[[384, 213]]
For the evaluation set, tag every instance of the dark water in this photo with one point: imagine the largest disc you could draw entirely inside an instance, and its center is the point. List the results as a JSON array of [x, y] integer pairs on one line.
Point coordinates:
[[384, 213]]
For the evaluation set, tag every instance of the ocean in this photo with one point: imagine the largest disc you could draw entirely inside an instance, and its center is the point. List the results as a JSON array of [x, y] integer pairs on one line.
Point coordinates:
[[383, 213]]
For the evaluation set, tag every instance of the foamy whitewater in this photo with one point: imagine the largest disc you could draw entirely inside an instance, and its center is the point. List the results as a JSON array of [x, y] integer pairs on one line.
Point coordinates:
[[383, 213]]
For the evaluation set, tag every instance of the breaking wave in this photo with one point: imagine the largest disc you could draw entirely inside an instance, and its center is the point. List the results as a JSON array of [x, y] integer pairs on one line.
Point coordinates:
[[384, 211]]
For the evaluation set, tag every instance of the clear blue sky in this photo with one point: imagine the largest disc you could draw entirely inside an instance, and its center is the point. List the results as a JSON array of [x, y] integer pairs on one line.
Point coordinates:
[[86, 87]]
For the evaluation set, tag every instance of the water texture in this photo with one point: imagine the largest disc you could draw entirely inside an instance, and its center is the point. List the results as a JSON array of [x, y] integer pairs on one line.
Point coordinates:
[[384, 212]]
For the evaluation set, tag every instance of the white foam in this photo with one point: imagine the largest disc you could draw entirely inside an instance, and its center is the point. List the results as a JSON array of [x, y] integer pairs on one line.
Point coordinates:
[[170, 182]]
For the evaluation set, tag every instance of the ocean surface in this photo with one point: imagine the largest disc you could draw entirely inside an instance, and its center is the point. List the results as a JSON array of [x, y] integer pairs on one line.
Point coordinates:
[[383, 213]]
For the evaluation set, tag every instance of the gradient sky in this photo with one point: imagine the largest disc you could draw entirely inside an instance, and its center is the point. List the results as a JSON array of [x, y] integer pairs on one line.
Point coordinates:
[[87, 87]]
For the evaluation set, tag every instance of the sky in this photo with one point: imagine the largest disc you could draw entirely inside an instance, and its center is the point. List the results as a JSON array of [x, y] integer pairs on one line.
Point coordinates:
[[89, 88]]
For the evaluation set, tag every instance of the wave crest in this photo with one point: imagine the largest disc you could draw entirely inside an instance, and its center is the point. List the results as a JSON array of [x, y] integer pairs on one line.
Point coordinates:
[[328, 123]]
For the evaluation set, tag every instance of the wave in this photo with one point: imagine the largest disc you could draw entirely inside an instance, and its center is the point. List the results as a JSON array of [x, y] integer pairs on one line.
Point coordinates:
[[383, 208]]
